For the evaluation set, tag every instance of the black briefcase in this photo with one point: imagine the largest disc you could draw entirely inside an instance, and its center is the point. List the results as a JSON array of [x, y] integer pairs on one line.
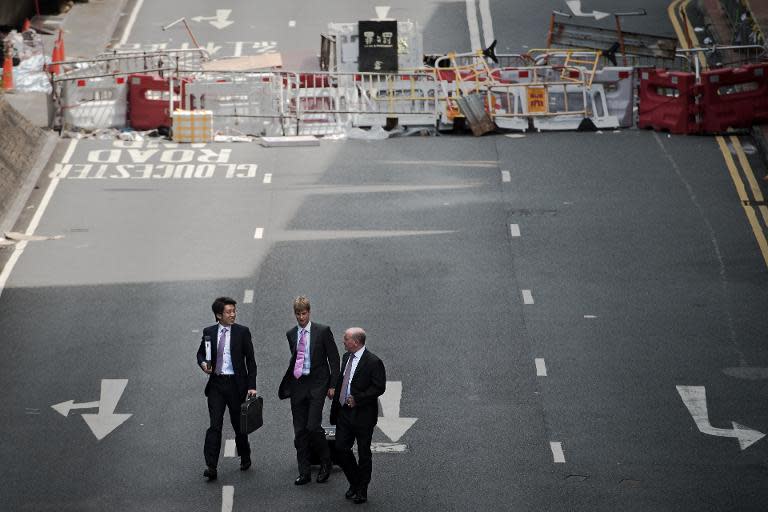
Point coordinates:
[[330, 437], [251, 417]]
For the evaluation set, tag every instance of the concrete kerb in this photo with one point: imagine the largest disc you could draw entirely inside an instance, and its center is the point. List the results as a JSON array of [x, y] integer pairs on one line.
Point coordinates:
[[18, 175]]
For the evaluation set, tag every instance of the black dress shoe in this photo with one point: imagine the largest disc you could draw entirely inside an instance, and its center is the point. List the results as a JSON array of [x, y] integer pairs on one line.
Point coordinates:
[[324, 474], [303, 479], [245, 463], [351, 492], [210, 473], [361, 496]]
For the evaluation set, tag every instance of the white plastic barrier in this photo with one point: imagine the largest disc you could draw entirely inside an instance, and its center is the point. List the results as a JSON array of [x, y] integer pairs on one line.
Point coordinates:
[[619, 87], [94, 103], [562, 99]]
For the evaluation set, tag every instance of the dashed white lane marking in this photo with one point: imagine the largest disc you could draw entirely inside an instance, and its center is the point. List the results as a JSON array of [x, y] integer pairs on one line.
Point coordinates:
[[259, 234], [541, 367], [527, 297], [292, 23], [557, 452], [514, 230], [268, 177], [506, 177], [248, 298], [590, 316], [19, 247], [227, 498], [230, 448], [474, 28]]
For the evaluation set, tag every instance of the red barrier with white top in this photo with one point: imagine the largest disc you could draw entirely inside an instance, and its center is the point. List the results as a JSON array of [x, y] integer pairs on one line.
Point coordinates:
[[149, 102]]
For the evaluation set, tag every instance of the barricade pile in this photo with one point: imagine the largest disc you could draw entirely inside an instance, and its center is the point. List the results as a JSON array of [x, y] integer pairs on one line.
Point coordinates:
[[541, 90]]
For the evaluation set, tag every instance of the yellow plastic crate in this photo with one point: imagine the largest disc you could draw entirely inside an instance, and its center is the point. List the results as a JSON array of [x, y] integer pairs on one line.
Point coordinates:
[[192, 125]]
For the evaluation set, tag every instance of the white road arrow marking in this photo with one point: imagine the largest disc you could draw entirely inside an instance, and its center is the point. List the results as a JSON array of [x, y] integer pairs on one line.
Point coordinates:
[[64, 407], [695, 399], [391, 423], [105, 421], [219, 21], [575, 6]]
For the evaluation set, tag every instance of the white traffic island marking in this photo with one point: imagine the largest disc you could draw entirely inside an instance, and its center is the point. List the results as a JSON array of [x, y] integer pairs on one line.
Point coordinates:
[[105, 421], [220, 21], [575, 6], [391, 424], [695, 400]]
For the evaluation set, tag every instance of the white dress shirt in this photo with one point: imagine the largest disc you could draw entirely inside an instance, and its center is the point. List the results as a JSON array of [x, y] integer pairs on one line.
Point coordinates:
[[226, 368]]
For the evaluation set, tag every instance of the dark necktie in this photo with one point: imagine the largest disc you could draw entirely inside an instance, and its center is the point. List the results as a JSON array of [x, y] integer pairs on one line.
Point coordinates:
[[345, 382], [220, 351]]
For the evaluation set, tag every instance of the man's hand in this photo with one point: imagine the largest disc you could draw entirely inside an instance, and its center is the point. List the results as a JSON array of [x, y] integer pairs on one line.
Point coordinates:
[[205, 367], [331, 392], [351, 401], [251, 392]]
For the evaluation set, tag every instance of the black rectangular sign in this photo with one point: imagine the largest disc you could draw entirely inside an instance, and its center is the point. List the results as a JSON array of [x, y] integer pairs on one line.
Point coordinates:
[[378, 46]]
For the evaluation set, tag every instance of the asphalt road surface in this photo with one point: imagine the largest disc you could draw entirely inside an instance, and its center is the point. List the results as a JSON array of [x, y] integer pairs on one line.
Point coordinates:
[[575, 321]]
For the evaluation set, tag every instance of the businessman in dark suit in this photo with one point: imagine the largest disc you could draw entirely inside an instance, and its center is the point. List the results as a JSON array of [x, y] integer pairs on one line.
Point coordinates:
[[355, 411], [231, 376], [313, 368]]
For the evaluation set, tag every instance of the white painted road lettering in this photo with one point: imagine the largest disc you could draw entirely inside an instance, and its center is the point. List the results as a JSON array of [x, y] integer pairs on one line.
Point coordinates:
[[541, 367], [105, 421], [505, 176], [695, 400], [514, 230], [268, 178], [152, 171], [248, 297], [220, 20], [259, 234]]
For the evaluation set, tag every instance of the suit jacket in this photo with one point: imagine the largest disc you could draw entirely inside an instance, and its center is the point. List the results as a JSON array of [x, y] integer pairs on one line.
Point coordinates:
[[241, 351], [323, 362], [368, 383]]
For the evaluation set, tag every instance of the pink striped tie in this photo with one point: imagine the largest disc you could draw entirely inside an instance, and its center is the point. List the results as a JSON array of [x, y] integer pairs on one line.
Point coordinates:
[[298, 368]]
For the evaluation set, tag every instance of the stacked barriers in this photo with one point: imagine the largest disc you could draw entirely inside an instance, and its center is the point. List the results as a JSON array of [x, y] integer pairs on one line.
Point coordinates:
[[717, 100]]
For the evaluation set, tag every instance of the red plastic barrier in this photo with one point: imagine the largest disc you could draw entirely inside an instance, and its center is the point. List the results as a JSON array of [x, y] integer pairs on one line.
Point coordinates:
[[734, 97], [668, 101], [148, 102]]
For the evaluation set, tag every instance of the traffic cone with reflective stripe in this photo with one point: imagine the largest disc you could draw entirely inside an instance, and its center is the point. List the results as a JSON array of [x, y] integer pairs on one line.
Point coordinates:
[[8, 73]]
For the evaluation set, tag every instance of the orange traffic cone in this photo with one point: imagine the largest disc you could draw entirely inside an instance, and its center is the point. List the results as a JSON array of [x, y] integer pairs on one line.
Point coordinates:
[[26, 26], [61, 46], [55, 59], [8, 73]]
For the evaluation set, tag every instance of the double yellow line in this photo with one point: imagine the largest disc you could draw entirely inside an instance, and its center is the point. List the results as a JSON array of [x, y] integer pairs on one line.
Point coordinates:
[[751, 204]]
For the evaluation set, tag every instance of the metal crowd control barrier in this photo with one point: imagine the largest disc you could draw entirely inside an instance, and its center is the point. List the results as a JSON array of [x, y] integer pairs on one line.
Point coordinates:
[[243, 103], [94, 103]]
